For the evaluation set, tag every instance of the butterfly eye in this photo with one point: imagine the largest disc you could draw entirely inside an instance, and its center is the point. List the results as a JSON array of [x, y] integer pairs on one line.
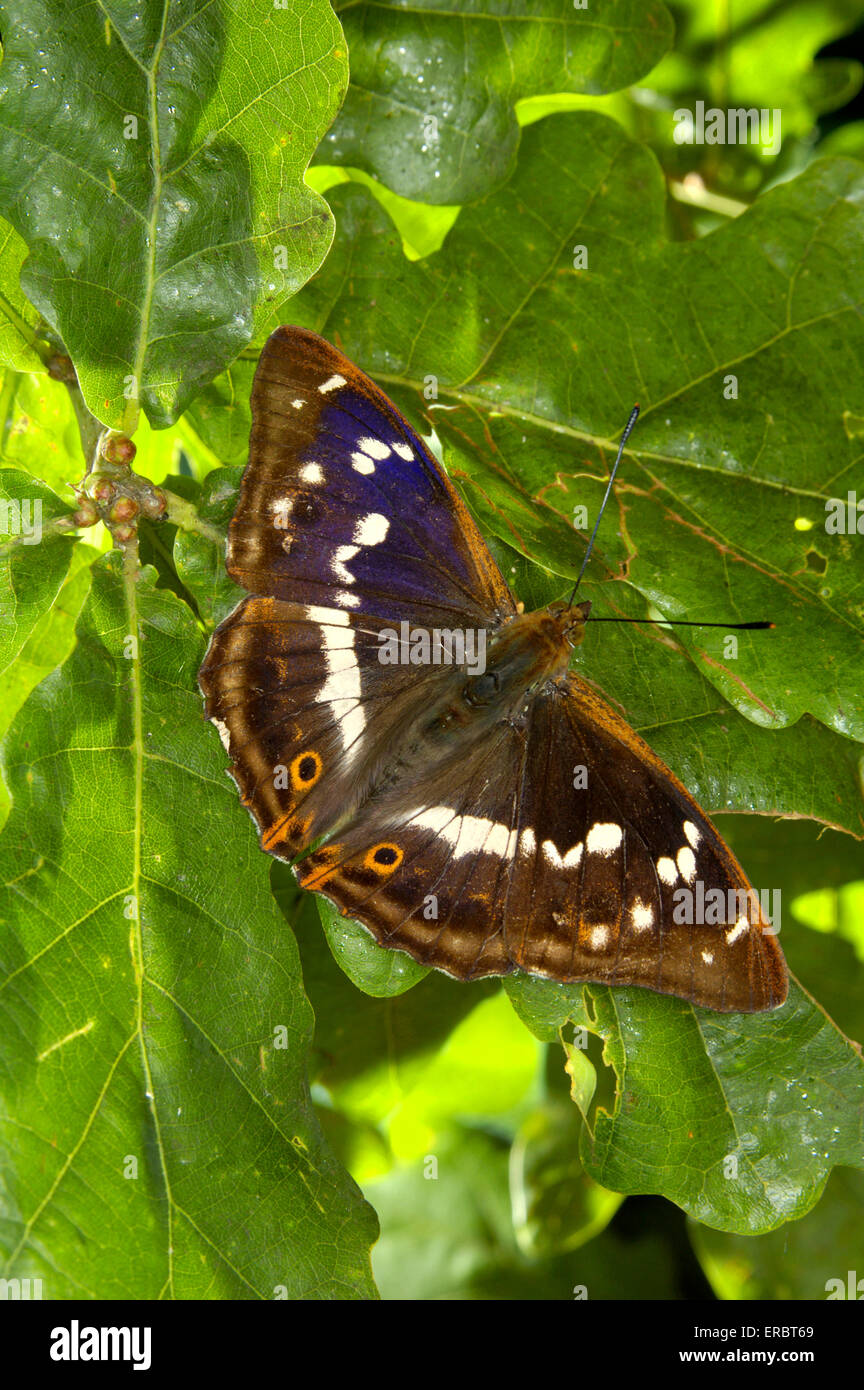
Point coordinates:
[[481, 690]]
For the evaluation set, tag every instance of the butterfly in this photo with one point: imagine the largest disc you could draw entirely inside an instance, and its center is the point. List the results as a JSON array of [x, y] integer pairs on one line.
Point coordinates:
[[418, 747]]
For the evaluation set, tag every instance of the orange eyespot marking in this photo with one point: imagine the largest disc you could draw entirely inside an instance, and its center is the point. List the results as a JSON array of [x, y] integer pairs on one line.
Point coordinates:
[[383, 858], [321, 865], [305, 771]]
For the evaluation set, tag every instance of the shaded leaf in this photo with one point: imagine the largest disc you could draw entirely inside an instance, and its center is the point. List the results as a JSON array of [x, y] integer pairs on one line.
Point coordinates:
[[452, 1237], [369, 1051], [762, 56], [556, 1206], [429, 110]]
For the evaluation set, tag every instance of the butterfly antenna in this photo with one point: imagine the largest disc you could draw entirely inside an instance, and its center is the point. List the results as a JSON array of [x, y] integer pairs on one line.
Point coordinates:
[[760, 626], [634, 416]]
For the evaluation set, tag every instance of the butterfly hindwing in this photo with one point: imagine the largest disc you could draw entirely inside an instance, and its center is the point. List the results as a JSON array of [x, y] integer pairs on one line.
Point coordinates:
[[432, 879], [558, 851], [615, 849]]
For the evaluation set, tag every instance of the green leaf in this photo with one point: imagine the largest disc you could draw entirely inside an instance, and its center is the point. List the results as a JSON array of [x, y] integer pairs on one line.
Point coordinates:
[[423, 227], [166, 218], [544, 1006], [430, 111], [33, 566], [18, 319], [220, 414], [158, 1139], [382, 974], [199, 559], [737, 1119]]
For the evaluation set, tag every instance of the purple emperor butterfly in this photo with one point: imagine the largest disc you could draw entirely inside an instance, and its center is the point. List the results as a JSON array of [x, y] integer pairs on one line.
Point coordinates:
[[426, 790]]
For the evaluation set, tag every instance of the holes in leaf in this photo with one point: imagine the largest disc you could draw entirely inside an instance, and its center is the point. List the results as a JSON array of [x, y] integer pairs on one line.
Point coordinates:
[[816, 562]]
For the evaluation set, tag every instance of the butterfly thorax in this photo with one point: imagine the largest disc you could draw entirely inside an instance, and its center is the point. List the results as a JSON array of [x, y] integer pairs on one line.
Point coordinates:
[[527, 653]]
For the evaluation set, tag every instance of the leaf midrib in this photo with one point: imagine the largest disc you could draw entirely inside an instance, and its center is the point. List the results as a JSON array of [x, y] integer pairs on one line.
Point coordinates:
[[136, 943]]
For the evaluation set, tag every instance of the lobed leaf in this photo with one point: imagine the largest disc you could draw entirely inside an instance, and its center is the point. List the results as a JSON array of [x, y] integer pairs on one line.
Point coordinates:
[[157, 1134], [152, 161], [430, 109]]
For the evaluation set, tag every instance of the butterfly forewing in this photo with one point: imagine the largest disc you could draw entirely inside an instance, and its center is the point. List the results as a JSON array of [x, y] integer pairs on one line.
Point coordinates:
[[342, 505], [345, 525]]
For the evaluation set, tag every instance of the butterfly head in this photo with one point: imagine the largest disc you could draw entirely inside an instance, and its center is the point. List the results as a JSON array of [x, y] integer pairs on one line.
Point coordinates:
[[572, 619], [529, 651]]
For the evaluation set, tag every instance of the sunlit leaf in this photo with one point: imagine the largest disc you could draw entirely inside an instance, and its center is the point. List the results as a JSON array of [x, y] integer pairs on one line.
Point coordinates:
[[152, 160], [157, 1134]]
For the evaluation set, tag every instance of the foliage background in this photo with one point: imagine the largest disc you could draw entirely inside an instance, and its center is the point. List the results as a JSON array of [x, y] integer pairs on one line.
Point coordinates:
[[204, 1094]]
